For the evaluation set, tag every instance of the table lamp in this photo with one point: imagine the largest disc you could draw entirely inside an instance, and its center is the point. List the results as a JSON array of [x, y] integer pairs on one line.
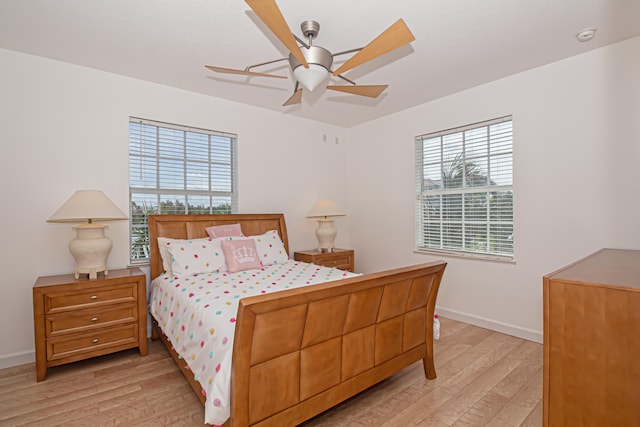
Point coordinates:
[[91, 247], [323, 210]]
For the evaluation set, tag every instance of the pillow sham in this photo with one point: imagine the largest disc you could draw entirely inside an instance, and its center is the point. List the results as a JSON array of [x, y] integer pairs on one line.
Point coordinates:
[[163, 246], [224, 230], [196, 256], [269, 246], [240, 255]]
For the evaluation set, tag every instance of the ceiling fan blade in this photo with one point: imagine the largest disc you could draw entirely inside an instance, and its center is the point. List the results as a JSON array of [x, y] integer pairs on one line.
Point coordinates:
[[244, 72], [372, 91], [296, 98], [395, 36], [269, 13]]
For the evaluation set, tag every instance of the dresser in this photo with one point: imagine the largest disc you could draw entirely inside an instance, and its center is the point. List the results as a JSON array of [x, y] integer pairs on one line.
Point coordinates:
[[339, 258], [592, 341], [75, 319]]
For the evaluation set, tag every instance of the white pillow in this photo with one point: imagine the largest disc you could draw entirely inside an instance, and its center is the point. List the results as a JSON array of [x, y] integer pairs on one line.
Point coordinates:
[[269, 247], [196, 256], [163, 248]]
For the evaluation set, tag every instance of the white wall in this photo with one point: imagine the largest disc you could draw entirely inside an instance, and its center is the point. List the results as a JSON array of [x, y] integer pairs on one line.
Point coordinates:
[[576, 181], [65, 128]]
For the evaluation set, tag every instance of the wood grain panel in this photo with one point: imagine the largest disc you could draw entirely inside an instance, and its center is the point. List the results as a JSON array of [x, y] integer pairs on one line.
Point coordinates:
[[388, 339], [278, 333], [325, 320], [273, 386], [419, 292], [363, 309], [414, 329], [394, 300], [320, 367], [358, 353]]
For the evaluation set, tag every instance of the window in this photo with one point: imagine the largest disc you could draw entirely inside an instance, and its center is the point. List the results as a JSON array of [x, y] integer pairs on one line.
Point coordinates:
[[464, 193], [177, 170]]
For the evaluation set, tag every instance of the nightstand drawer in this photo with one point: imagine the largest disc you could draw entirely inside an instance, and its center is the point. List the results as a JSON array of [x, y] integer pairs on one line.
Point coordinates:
[[73, 300], [81, 320], [339, 258], [65, 346], [342, 263]]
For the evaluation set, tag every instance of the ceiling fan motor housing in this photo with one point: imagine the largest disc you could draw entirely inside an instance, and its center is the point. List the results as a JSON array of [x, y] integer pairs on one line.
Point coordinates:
[[314, 55]]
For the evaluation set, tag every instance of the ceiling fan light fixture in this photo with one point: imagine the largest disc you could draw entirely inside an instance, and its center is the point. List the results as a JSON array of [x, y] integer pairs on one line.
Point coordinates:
[[312, 77], [319, 60]]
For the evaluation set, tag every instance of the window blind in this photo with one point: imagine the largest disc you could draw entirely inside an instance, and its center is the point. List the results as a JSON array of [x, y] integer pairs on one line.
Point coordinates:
[[177, 169], [464, 189]]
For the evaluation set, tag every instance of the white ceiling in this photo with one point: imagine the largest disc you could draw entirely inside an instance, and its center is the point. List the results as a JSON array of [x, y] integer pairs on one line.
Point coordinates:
[[459, 44]]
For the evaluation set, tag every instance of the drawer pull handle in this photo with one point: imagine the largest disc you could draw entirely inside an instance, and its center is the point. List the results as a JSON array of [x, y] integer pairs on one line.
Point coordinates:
[[94, 296], [335, 262], [93, 319], [95, 340]]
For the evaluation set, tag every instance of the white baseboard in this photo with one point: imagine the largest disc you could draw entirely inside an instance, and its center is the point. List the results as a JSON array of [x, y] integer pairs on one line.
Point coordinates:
[[494, 325], [17, 359]]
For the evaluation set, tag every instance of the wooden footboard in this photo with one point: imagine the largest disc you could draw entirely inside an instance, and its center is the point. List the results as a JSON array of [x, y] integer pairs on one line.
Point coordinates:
[[299, 352]]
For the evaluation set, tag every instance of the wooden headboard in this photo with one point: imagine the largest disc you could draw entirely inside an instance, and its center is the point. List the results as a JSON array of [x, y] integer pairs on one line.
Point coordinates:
[[193, 227]]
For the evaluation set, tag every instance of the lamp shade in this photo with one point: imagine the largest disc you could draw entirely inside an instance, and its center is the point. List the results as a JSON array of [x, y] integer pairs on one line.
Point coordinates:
[[88, 206], [325, 207]]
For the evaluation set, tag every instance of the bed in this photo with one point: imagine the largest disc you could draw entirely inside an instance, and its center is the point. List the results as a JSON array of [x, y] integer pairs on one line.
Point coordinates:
[[318, 338]]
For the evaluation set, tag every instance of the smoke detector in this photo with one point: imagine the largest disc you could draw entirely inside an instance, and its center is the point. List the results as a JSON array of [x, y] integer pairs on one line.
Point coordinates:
[[586, 34]]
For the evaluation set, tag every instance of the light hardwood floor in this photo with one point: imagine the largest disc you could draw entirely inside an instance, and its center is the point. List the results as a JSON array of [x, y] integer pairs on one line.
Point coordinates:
[[484, 379]]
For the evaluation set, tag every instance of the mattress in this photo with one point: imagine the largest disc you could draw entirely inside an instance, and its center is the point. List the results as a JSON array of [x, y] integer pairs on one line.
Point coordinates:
[[197, 314]]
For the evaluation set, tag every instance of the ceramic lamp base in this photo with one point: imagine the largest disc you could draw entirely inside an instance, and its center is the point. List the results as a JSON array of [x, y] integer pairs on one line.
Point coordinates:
[[326, 234], [90, 249]]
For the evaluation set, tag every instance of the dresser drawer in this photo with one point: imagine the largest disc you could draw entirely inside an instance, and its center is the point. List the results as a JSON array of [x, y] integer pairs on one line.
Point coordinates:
[[66, 346], [73, 300], [92, 318]]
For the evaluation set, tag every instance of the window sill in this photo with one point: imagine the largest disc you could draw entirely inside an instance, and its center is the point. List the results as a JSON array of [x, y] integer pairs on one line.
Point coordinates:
[[466, 255], [143, 263]]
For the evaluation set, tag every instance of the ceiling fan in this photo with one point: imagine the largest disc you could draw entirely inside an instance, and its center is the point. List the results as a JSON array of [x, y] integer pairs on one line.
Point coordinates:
[[311, 64]]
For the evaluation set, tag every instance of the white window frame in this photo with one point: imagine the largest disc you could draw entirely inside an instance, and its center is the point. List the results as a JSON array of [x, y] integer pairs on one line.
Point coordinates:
[[215, 189], [479, 222]]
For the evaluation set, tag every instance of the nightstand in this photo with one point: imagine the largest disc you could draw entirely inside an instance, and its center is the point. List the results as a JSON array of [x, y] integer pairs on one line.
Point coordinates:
[[75, 319], [339, 258]]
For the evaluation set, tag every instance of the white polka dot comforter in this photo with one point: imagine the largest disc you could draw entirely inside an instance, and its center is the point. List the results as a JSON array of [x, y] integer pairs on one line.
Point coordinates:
[[198, 313]]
